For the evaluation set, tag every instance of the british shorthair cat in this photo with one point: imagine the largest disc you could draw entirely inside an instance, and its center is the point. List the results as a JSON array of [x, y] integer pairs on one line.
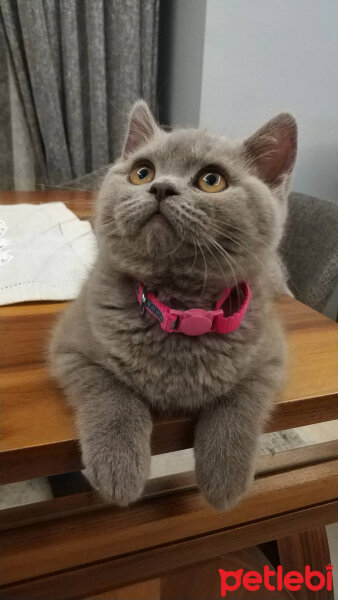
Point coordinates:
[[188, 225]]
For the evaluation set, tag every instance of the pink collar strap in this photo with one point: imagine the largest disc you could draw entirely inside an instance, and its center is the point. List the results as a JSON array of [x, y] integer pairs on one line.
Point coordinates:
[[194, 321]]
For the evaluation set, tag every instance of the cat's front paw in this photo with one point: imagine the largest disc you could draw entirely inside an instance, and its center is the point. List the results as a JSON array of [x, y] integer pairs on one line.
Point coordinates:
[[119, 474], [223, 474], [220, 489]]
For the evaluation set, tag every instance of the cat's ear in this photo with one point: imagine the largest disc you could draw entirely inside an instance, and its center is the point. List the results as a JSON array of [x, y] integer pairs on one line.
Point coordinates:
[[141, 128], [272, 150]]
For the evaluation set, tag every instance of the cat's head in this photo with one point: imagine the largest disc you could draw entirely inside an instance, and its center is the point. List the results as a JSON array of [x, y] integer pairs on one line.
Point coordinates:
[[189, 204]]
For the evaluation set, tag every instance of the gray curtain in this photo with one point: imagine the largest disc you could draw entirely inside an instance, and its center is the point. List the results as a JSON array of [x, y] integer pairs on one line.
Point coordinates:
[[76, 66]]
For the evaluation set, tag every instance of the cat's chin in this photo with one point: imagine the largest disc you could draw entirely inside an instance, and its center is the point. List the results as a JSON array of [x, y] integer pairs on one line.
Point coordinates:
[[158, 234]]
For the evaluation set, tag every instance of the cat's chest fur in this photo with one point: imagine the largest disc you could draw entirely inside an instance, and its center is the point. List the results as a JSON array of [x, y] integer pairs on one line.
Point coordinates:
[[174, 371]]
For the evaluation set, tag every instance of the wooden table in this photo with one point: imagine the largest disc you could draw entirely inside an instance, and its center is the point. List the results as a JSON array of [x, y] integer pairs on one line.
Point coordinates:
[[78, 546]]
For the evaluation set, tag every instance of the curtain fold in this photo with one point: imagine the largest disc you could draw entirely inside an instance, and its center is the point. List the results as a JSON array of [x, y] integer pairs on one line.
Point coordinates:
[[77, 65], [72, 82], [6, 145]]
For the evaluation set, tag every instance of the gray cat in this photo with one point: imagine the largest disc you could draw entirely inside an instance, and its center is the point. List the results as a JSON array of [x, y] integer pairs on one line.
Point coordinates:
[[187, 214]]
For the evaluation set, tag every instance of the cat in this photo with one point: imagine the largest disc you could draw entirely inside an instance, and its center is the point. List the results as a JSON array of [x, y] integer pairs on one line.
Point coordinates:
[[187, 214]]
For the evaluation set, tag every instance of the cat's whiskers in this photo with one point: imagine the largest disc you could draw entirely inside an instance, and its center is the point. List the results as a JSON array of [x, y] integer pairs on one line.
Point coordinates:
[[244, 232], [220, 266], [239, 244], [176, 247], [225, 255], [108, 221], [234, 262], [205, 268], [71, 188], [195, 258], [231, 259]]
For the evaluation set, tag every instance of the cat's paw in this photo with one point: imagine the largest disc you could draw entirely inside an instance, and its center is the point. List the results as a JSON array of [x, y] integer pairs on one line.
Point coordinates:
[[220, 490], [120, 474]]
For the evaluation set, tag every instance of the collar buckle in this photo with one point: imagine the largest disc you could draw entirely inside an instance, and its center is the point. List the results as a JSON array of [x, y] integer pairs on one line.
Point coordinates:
[[196, 321]]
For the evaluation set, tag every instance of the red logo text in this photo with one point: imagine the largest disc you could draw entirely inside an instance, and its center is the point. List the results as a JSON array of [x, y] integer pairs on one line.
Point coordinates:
[[275, 580]]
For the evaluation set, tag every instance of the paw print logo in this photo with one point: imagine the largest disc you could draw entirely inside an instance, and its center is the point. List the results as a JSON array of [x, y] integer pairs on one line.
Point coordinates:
[[5, 256]]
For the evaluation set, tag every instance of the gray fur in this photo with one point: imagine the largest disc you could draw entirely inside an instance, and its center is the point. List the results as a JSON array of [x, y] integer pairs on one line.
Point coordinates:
[[116, 366]]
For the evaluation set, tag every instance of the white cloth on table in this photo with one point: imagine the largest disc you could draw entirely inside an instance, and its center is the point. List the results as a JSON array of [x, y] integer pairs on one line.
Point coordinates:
[[45, 252]]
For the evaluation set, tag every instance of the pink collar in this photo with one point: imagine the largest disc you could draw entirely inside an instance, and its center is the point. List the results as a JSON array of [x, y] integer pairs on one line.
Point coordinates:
[[194, 321]]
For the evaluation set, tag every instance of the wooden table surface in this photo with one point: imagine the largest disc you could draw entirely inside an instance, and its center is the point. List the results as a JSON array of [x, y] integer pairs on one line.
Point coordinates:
[[38, 436], [80, 202]]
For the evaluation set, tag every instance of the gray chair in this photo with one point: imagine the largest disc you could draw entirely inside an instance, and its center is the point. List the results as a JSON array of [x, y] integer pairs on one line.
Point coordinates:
[[310, 249]]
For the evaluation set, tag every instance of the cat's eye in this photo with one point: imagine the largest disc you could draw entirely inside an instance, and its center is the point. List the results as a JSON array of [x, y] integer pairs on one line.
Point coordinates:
[[142, 173], [211, 182]]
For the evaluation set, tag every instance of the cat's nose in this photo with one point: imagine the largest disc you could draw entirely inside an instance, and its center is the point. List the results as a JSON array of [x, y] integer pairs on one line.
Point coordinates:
[[162, 190]]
